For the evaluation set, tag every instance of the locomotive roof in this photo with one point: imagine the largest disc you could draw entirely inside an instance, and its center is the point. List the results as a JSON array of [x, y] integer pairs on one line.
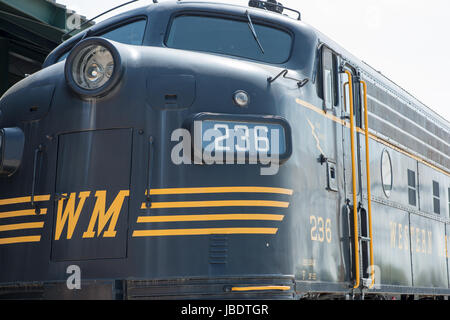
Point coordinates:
[[366, 69]]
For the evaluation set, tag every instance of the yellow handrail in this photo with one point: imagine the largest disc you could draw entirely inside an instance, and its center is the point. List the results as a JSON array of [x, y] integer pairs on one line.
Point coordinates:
[[369, 200], [355, 199]]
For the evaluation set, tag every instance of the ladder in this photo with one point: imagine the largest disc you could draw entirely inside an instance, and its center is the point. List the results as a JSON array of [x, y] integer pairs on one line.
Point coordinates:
[[365, 237]]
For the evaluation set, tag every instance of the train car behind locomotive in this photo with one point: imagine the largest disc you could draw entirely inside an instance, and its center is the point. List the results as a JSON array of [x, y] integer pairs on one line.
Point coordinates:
[[203, 150]]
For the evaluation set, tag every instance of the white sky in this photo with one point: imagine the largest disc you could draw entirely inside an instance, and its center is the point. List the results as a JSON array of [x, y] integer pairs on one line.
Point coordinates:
[[407, 40]]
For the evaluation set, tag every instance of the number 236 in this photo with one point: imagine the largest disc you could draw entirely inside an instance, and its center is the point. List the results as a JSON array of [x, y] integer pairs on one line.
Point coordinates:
[[320, 229]]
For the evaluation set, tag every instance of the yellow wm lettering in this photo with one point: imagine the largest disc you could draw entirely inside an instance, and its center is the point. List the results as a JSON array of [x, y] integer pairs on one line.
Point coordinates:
[[70, 215], [102, 216]]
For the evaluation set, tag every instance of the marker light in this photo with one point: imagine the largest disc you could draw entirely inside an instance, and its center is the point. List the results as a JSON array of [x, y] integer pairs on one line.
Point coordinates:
[[93, 67], [241, 98]]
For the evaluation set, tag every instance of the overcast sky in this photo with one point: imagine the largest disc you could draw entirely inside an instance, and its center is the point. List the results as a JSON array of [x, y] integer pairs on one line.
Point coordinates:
[[407, 40]]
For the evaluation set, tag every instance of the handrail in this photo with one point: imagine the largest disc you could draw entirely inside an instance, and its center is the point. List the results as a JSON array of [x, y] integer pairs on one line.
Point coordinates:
[[355, 199], [369, 200]]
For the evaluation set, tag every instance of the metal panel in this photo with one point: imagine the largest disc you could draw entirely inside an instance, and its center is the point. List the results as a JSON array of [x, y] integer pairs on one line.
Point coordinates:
[[426, 177], [409, 127], [320, 230], [392, 245], [395, 120], [90, 223], [171, 91], [397, 105], [428, 252], [400, 166]]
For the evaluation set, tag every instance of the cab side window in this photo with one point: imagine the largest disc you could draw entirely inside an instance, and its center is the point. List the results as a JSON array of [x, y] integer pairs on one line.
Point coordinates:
[[130, 33], [327, 79]]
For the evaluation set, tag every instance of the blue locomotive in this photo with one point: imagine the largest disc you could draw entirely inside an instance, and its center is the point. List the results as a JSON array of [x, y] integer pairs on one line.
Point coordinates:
[[201, 150]]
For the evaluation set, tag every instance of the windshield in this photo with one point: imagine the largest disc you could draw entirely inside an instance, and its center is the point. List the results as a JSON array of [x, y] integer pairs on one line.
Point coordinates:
[[230, 37]]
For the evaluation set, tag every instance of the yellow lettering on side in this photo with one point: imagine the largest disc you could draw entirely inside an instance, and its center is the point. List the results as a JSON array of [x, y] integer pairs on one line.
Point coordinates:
[[446, 250], [102, 216], [424, 242], [321, 229], [400, 242], [393, 233], [406, 238], [446, 246], [70, 215], [430, 242], [417, 240]]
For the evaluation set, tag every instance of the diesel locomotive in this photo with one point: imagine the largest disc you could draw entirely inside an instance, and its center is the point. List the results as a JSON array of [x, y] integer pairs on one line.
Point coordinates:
[[212, 151]]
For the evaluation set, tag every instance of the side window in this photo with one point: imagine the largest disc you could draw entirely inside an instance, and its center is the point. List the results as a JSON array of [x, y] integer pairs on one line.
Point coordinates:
[[328, 88], [436, 198], [327, 83], [131, 33], [412, 191]]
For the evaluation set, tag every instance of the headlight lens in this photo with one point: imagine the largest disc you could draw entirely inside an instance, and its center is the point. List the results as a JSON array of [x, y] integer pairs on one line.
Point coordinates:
[[92, 67]]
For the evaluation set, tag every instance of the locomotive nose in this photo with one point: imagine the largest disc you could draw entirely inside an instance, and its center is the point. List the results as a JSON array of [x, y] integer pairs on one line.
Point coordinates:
[[110, 111]]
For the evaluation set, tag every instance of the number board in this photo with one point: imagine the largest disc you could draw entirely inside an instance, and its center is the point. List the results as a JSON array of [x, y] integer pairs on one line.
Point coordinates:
[[241, 136]]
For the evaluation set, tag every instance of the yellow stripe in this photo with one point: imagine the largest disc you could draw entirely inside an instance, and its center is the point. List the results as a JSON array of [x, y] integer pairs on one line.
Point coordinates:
[[20, 239], [220, 190], [211, 217], [374, 137], [322, 112], [195, 232], [21, 213], [219, 203], [20, 226], [261, 288], [4, 202]]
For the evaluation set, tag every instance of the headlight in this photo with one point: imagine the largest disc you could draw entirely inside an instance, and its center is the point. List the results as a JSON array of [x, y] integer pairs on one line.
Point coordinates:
[[12, 141], [93, 67]]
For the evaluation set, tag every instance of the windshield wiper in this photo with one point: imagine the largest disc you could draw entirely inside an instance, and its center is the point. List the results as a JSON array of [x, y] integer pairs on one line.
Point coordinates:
[[252, 29]]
